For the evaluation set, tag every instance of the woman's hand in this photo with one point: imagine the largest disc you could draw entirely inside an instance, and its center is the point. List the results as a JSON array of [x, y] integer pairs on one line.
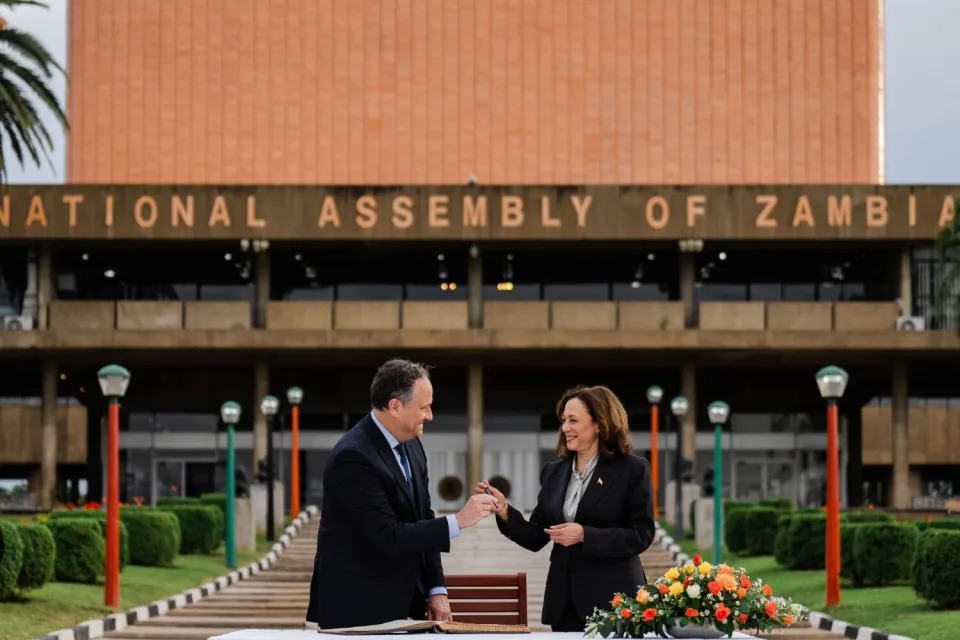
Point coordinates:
[[501, 499], [566, 534]]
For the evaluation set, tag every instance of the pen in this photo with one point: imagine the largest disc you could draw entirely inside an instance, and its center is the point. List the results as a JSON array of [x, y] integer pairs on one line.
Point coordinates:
[[495, 503]]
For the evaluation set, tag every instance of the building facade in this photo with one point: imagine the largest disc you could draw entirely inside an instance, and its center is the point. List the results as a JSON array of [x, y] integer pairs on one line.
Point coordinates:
[[527, 196]]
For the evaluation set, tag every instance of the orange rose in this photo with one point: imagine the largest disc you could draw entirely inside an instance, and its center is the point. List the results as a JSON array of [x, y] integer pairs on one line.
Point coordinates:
[[787, 619], [664, 590], [745, 581], [771, 609], [727, 569], [744, 617], [715, 587], [727, 581], [649, 614], [741, 593], [722, 612], [691, 612], [625, 613], [767, 590], [617, 600]]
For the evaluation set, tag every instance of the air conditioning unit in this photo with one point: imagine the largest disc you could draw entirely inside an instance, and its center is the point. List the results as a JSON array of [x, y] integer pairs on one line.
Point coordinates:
[[18, 323], [911, 323]]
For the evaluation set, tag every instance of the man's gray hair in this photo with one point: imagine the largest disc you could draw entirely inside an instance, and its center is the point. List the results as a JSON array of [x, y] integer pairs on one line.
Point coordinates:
[[395, 379]]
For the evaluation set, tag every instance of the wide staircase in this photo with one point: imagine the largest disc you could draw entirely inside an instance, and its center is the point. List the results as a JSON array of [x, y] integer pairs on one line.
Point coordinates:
[[277, 598]]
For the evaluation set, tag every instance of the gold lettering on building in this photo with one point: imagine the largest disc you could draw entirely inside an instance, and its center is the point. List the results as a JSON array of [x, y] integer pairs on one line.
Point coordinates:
[[72, 200], [253, 222], [145, 222], [437, 211], [329, 213], [803, 213], [545, 218], [511, 211], [402, 212], [696, 206], [912, 210], [36, 212], [181, 212], [366, 212], [581, 207], [654, 203], [838, 214], [219, 214], [5, 212], [769, 202], [877, 211], [108, 212], [947, 211], [475, 211]]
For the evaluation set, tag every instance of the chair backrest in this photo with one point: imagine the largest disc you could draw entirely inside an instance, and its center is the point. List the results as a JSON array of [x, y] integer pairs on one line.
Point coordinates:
[[491, 599]]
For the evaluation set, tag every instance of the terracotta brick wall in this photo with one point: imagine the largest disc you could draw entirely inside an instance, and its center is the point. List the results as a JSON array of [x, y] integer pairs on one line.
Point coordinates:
[[428, 91]]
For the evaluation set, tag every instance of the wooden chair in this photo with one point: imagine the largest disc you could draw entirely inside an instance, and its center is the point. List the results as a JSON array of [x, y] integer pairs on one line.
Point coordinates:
[[490, 599]]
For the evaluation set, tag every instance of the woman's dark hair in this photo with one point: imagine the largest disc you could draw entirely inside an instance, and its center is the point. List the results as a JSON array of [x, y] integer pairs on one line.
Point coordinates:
[[606, 410], [395, 379]]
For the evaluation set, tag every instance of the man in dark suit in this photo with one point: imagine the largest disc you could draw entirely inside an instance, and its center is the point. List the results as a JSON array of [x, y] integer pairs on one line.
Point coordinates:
[[378, 550]]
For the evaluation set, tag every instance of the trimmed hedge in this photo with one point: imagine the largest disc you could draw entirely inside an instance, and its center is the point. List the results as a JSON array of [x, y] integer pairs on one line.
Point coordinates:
[[11, 559], [218, 500], [883, 552], [848, 565], [935, 571], [156, 536], [781, 542], [199, 528], [806, 539], [178, 502], [952, 524], [80, 549], [776, 503], [100, 517], [39, 556], [868, 516], [735, 529], [760, 532]]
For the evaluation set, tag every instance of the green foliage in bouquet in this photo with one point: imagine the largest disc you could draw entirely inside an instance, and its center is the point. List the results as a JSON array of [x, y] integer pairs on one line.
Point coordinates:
[[697, 594]]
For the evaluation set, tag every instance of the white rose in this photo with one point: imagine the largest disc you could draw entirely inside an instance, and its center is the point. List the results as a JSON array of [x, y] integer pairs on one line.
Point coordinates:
[[693, 591]]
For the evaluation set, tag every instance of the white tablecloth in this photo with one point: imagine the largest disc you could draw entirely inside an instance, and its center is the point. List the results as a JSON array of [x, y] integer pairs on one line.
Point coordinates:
[[305, 634]]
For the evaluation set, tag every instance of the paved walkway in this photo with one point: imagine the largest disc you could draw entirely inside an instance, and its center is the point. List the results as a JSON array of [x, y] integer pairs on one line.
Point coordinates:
[[277, 598]]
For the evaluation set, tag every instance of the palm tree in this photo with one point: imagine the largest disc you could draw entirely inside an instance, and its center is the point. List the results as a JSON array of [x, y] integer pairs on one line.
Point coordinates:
[[948, 250], [26, 68]]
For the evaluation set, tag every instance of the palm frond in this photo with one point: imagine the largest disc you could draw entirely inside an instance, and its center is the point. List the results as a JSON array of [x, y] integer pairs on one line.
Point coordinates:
[[948, 251], [13, 4], [32, 49]]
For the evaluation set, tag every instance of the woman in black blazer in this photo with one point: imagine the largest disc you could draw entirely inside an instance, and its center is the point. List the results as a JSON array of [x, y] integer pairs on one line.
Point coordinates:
[[595, 506]]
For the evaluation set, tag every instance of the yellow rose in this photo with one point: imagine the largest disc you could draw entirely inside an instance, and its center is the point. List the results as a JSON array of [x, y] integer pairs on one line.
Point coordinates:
[[643, 596], [676, 588], [689, 569], [673, 574], [705, 568]]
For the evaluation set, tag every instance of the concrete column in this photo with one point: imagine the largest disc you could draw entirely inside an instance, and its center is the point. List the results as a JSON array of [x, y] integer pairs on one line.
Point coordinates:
[[261, 289], [475, 288], [900, 496], [44, 287], [261, 386], [688, 387], [906, 282], [474, 425], [48, 433], [687, 288]]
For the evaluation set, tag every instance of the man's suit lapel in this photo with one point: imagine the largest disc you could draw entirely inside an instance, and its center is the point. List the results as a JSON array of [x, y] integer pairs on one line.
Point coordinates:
[[389, 459], [604, 475]]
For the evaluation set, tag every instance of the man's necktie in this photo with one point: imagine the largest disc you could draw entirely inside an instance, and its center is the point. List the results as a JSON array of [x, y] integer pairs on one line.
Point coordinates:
[[405, 463]]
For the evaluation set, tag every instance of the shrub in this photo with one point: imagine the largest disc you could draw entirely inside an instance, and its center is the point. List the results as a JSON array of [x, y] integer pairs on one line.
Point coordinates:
[[883, 552], [155, 535], [760, 530], [935, 573], [867, 516], [100, 517], [39, 554], [946, 523], [80, 549], [806, 541], [11, 559], [218, 500], [735, 529], [776, 503], [848, 566], [178, 502], [781, 542], [199, 528]]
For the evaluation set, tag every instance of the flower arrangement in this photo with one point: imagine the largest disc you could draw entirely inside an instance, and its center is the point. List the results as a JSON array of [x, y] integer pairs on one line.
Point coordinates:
[[697, 595]]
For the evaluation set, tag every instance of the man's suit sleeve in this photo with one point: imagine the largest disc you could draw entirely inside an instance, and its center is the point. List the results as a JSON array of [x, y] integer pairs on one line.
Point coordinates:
[[529, 535], [636, 537], [366, 504], [433, 572]]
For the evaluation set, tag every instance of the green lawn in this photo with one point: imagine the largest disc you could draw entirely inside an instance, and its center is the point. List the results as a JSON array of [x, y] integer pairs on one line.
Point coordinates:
[[895, 609], [58, 604]]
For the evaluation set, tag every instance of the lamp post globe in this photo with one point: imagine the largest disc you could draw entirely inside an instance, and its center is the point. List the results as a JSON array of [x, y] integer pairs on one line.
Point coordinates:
[[114, 380], [832, 382], [294, 395], [679, 406], [654, 395]]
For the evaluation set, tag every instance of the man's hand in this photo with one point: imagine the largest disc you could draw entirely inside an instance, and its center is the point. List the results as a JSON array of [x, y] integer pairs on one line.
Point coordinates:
[[501, 500], [438, 608], [477, 508], [566, 534]]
